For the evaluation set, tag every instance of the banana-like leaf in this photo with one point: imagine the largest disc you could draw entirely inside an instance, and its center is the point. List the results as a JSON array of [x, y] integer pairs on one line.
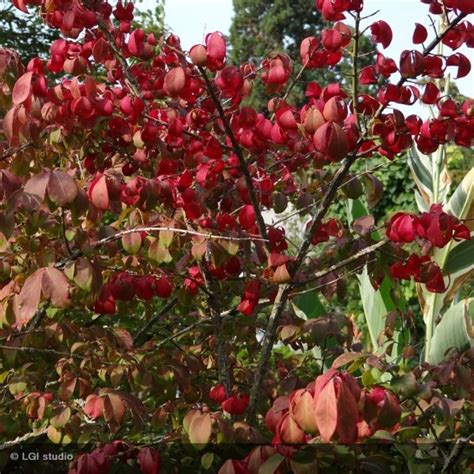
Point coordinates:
[[455, 331], [376, 303], [461, 257], [431, 176]]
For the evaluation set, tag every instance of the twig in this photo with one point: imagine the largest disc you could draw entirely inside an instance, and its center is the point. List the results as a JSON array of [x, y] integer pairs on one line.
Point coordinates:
[[166, 308]]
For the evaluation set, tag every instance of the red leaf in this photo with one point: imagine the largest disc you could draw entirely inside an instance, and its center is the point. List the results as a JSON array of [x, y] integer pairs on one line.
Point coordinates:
[[463, 64], [29, 298], [22, 88], [175, 80], [37, 184], [61, 188], [100, 50], [325, 412], [98, 193], [149, 460], [381, 33], [216, 47], [347, 414], [55, 287], [247, 217], [420, 34], [94, 406], [302, 410]]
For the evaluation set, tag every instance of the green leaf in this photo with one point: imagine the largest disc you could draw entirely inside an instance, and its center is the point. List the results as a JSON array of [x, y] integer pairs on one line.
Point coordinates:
[[460, 202], [454, 331], [271, 464], [206, 460], [308, 305], [460, 258], [132, 242], [431, 176]]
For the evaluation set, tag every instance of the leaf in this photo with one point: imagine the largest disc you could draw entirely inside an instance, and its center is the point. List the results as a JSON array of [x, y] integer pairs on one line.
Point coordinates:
[[206, 460], [114, 408], [61, 188], [271, 464], [54, 435], [55, 287], [308, 305], [132, 242], [124, 338], [94, 406], [61, 419], [460, 258], [347, 414], [348, 357], [37, 185], [460, 205], [99, 194], [373, 190], [363, 225], [376, 303], [200, 430], [326, 412], [159, 253], [461, 201], [29, 298], [22, 88], [455, 330]]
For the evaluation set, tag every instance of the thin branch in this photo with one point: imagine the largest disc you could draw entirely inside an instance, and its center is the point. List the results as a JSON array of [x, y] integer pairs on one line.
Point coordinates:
[[166, 308], [120, 234], [343, 263], [21, 439], [243, 164]]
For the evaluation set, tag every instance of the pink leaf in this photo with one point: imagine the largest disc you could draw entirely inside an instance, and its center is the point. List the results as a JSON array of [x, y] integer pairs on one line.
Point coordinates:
[[326, 412], [22, 88]]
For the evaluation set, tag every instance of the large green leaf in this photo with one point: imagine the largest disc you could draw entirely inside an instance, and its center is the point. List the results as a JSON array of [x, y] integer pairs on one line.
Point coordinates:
[[455, 331], [431, 176], [461, 258]]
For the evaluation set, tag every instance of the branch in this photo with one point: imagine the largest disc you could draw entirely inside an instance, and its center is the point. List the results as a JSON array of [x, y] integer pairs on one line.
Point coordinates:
[[166, 308], [120, 234], [243, 164], [21, 439], [285, 289], [222, 363], [343, 263]]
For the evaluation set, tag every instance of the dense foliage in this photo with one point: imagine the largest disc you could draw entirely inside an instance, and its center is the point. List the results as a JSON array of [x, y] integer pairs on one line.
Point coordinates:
[[154, 313]]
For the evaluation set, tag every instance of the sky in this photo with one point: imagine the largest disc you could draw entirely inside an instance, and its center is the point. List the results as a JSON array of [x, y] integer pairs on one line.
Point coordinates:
[[192, 19]]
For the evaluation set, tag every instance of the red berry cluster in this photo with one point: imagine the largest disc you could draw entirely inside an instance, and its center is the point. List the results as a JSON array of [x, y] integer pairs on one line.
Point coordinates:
[[125, 287]]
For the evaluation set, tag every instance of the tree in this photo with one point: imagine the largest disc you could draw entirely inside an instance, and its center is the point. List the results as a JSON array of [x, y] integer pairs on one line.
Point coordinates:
[[150, 317], [25, 33], [260, 28]]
